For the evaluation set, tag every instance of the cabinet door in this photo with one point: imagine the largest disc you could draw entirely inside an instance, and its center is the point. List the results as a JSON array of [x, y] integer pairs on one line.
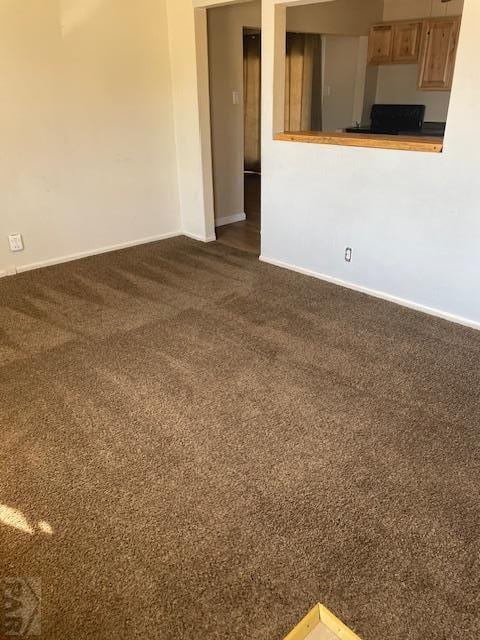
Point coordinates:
[[406, 42], [380, 44], [439, 52]]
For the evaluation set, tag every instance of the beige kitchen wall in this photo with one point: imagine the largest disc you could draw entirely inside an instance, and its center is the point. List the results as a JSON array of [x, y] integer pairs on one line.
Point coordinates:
[[341, 17], [398, 83], [87, 155], [344, 75], [407, 9]]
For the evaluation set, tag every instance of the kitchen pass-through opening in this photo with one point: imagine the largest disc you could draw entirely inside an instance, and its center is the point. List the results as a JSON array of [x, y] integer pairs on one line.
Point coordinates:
[[368, 75]]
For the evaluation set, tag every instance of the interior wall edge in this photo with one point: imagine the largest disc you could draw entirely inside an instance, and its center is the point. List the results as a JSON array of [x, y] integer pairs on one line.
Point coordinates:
[[187, 47]]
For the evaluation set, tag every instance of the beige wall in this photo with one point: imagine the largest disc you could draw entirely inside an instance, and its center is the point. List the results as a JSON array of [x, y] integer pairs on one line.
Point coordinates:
[[398, 84], [192, 135], [407, 9], [344, 73], [341, 17], [225, 28], [87, 146]]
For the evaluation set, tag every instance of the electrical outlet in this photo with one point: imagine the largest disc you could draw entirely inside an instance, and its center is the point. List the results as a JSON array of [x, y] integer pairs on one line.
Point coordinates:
[[15, 241], [348, 254]]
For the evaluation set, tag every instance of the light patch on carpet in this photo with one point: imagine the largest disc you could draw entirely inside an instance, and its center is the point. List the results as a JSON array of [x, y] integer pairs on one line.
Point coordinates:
[[45, 528], [17, 520], [14, 518]]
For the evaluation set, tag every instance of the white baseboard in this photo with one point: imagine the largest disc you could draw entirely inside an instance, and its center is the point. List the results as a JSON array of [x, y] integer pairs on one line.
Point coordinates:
[[466, 322], [193, 236], [94, 252], [114, 247], [235, 217]]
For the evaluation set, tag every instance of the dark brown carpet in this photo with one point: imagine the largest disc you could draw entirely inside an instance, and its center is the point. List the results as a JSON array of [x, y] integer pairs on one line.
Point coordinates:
[[218, 444]]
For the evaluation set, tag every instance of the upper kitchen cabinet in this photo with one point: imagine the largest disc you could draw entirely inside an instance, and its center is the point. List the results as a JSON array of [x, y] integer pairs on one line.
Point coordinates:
[[407, 37], [380, 45], [439, 53], [430, 42], [395, 43]]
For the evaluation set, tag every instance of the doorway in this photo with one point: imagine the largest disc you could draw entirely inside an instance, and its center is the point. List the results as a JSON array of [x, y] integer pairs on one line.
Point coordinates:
[[252, 101], [234, 57]]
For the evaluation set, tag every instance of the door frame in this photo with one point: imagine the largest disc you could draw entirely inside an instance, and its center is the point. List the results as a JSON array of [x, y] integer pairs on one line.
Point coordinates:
[[203, 89]]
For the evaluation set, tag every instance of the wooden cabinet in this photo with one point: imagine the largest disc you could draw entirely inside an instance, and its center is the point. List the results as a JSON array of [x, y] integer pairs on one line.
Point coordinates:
[[430, 42], [407, 37], [439, 52], [380, 44], [395, 43]]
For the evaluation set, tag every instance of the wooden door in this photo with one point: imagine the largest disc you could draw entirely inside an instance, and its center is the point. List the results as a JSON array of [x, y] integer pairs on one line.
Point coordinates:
[[439, 52], [380, 44], [303, 82], [406, 42]]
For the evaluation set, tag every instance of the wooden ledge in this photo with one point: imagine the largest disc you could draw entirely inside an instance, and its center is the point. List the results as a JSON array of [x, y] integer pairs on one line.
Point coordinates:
[[370, 140]]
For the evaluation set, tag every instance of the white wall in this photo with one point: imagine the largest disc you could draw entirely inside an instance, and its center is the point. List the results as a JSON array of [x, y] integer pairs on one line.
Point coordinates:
[[225, 28], [398, 83], [87, 146], [411, 218]]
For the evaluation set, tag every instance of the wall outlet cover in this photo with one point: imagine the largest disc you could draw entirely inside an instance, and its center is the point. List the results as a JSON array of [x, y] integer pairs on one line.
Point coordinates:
[[15, 241]]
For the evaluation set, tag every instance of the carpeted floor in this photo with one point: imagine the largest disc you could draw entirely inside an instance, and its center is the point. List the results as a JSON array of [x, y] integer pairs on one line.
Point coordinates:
[[212, 445]]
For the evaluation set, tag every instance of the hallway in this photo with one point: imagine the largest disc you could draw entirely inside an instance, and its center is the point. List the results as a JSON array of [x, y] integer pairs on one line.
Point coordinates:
[[245, 235]]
